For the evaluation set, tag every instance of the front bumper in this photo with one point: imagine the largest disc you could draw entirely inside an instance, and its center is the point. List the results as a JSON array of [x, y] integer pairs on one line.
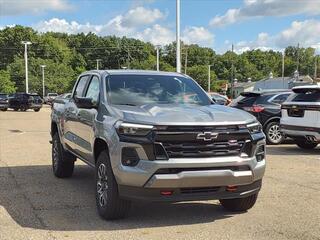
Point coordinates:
[[147, 178], [188, 194]]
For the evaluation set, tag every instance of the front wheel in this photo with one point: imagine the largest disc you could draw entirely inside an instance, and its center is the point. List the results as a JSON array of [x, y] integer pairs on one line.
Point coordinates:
[[62, 161], [37, 109], [109, 204], [273, 133], [4, 109], [239, 204], [306, 145]]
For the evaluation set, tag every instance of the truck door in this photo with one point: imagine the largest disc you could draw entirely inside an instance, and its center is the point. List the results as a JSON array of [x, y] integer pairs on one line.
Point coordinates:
[[86, 117], [71, 120]]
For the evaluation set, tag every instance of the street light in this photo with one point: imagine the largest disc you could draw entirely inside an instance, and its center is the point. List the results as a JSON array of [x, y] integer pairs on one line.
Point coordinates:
[[157, 48], [43, 87], [98, 60], [26, 43], [178, 36]]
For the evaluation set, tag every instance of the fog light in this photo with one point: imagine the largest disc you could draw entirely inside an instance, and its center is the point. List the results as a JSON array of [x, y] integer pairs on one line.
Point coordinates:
[[260, 153], [129, 157]]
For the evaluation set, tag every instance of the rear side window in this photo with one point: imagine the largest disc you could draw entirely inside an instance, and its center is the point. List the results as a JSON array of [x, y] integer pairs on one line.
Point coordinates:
[[263, 99], [311, 96], [243, 101], [81, 86]]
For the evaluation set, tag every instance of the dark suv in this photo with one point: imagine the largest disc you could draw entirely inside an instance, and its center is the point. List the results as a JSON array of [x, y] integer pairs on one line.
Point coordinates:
[[266, 107], [25, 101], [4, 102]]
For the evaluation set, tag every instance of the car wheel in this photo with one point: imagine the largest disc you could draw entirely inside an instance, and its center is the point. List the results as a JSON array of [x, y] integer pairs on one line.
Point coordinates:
[[37, 109], [16, 109], [4, 109], [109, 204], [62, 161], [239, 204], [273, 133], [306, 145]]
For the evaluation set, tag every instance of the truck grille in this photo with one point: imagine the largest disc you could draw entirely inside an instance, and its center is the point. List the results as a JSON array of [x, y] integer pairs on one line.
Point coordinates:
[[184, 142]]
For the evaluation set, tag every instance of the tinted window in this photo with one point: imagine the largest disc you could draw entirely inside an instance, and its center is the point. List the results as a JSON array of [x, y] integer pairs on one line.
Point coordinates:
[[3, 96], [311, 96], [263, 99], [93, 89], [81, 85], [281, 98], [148, 89], [243, 101]]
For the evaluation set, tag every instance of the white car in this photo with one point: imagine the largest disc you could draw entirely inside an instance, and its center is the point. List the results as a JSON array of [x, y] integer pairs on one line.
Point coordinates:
[[300, 118], [50, 97]]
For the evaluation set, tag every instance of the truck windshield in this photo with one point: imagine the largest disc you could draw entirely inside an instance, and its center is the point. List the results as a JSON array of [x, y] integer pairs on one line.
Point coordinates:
[[154, 89]]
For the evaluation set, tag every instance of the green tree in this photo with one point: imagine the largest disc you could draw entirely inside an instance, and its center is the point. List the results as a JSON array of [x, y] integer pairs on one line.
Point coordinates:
[[6, 85]]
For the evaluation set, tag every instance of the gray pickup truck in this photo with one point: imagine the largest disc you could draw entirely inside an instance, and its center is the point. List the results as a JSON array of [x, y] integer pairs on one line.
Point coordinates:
[[156, 136]]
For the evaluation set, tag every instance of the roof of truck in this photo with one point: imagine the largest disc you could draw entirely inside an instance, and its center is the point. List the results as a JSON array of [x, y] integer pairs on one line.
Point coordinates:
[[137, 72]]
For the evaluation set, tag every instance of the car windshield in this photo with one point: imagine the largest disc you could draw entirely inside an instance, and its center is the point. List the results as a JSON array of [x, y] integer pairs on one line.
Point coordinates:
[[154, 89], [308, 96], [3, 96]]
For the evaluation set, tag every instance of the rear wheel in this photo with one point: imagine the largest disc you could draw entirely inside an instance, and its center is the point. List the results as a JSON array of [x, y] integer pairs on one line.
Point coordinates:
[[239, 204], [62, 161], [109, 204], [273, 133], [306, 145], [37, 109], [4, 109]]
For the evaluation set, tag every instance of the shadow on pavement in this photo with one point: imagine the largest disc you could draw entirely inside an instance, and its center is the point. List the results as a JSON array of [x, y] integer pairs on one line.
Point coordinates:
[[34, 198]]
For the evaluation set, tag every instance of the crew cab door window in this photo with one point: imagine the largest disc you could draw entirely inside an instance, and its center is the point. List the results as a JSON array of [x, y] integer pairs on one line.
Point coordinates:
[[81, 86], [93, 89]]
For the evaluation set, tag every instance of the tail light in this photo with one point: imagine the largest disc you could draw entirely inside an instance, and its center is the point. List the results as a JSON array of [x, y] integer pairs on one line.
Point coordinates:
[[254, 108]]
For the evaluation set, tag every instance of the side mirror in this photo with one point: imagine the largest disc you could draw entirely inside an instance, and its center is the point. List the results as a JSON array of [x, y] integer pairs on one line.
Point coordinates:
[[83, 102]]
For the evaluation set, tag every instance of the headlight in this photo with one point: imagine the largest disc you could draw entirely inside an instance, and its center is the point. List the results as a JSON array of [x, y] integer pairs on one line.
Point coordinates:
[[132, 129], [254, 127]]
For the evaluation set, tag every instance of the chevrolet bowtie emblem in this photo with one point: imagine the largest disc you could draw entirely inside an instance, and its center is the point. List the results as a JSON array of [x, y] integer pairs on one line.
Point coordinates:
[[207, 136]]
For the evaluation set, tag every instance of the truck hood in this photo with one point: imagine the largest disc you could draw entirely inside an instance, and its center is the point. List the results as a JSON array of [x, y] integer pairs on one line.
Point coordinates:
[[173, 114]]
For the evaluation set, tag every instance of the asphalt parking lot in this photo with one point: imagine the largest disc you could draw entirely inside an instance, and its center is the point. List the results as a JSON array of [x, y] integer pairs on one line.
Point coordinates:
[[36, 205]]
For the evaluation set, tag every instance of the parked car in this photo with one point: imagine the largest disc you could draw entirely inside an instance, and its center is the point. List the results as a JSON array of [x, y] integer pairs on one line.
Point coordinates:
[[147, 141], [266, 107], [301, 116], [50, 97], [220, 99], [4, 102], [25, 101]]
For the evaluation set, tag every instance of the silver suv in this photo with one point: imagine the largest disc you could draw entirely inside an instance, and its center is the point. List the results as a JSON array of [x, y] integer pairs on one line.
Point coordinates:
[[156, 136]]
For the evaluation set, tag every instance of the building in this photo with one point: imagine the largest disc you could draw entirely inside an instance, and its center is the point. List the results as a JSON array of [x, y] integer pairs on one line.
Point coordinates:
[[272, 83], [239, 87]]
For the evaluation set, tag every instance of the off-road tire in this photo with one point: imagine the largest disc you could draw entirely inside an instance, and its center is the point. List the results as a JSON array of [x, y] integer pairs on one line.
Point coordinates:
[[273, 134], [306, 145], [62, 161], [109, 204], [239, 204]]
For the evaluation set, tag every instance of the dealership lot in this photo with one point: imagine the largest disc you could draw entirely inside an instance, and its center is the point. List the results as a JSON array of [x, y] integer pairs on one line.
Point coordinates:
[[36, 205]]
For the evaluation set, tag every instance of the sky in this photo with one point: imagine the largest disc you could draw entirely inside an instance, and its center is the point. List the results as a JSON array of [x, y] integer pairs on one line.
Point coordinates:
[[248, 24]]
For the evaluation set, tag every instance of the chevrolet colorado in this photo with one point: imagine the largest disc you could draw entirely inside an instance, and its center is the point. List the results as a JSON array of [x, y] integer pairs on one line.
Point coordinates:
[[156, 136]]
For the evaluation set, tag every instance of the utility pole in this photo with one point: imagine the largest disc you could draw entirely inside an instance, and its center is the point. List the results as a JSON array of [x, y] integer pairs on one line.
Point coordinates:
[[232, 73], [298, 57], [43, 86], [26, 43], [186, 61], [157, 48], [98, 61], [209, 78], [315, 68], [178, 50], [283, 68]]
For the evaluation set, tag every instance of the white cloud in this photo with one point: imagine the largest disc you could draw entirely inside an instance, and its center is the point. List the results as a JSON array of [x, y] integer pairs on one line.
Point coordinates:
[[263, 8], [306, 33], [30, 7], [199, 35], [156, 35], [140, 16]]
